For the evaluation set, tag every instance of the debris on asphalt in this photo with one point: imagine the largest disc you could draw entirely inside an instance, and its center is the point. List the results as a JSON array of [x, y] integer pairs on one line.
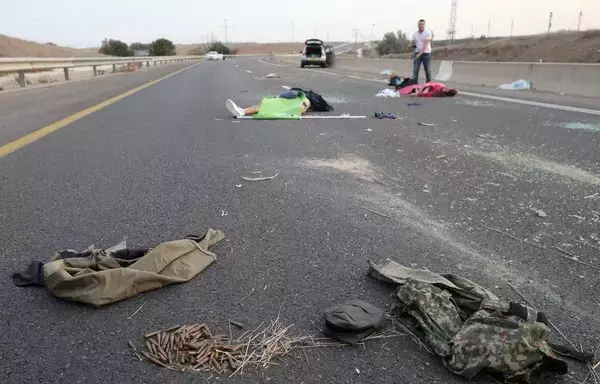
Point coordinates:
[[573, 257], [486, 136], [272, 76], [102, 276], [224, 213], [249, 71], [387, 72], [352, 322], [260, 178], [385, 115], [387, 93], [369, 130], [440, 156], [539, 212], [194, 348], [580, 218], [139, 309], [236, 324], [238, 185], [591, 196], [413, 104], [428, 124], [247, 296], [376, 213], [459, 319]]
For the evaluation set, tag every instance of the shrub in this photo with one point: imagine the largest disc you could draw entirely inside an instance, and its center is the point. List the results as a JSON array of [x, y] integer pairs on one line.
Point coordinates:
[[162, 47], [114, 48]]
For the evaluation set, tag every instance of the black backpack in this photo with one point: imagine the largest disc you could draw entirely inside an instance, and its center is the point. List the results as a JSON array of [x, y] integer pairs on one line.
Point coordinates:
[[405, 83], [317, 103]]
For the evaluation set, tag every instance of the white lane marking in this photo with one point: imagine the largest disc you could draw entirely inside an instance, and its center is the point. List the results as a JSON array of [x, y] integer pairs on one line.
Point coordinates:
[[473, 94], [533, 103]]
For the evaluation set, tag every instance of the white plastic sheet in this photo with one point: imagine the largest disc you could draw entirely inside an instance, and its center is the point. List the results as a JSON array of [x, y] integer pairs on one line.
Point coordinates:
[[516, 85]]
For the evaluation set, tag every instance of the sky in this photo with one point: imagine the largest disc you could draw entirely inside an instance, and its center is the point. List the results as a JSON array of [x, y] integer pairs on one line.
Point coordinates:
[[81, 23]]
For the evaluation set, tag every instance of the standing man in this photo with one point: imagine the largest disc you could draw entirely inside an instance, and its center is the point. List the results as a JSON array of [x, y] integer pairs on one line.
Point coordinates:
[[422, 43]]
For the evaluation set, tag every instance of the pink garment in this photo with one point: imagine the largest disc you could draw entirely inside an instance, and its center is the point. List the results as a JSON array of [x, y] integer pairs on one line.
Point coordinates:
[[410, 89]]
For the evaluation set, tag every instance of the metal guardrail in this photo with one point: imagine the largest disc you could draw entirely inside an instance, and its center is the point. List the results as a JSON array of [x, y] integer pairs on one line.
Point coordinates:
[[22, 64]]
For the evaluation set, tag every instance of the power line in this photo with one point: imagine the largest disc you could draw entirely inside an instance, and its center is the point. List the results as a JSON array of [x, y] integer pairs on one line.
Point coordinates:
[[452, 23]]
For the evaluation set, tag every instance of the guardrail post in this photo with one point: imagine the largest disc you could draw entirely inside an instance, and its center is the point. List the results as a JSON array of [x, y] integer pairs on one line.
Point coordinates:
[[95, 70], [114, 68], [155, 63], [22, 78], [147, 64], [66, 70]]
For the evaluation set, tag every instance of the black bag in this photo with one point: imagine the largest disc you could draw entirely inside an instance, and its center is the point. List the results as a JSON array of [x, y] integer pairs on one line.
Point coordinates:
[[317, 103], [405, 83]]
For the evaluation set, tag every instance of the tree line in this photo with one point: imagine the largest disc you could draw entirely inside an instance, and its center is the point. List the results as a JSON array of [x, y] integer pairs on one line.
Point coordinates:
[[159, 47]]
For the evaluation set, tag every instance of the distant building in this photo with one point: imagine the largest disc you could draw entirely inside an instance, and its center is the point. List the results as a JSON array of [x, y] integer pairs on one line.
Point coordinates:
[[141, 52]]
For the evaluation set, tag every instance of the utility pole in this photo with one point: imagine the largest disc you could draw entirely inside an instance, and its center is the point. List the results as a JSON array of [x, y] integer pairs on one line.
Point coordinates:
[[550, 21], [512, 27], [355, 32], [225, 27], [579, 22], [452, 23], [489, 28]]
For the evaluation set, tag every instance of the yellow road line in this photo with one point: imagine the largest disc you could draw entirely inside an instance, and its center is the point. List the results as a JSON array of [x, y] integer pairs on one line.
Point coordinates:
[[34, 136]]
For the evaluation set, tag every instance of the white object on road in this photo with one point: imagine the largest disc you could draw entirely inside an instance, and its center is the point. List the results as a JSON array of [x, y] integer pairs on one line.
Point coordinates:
[[272, 76], [387, 93], [540, 213], [387, 72], [516, 85], [260, 178]]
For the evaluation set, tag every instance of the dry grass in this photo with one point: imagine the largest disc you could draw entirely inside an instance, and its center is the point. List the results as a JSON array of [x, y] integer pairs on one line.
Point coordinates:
[[576, 47], [14, 47], [249, 48]]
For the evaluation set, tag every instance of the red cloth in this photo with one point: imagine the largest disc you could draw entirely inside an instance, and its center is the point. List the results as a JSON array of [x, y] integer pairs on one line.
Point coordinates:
[[432, 89], [410, 89]]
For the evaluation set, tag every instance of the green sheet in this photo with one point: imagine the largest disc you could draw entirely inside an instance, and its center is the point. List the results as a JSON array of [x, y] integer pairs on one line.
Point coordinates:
[[277, 108]]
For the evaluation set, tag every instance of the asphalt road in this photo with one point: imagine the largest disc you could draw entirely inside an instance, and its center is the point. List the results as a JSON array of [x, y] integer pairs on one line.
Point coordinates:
[[164, 162]]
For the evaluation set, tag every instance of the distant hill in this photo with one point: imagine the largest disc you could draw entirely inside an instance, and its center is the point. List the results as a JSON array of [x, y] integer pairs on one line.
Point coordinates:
[[15, 47], [566, 47]]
